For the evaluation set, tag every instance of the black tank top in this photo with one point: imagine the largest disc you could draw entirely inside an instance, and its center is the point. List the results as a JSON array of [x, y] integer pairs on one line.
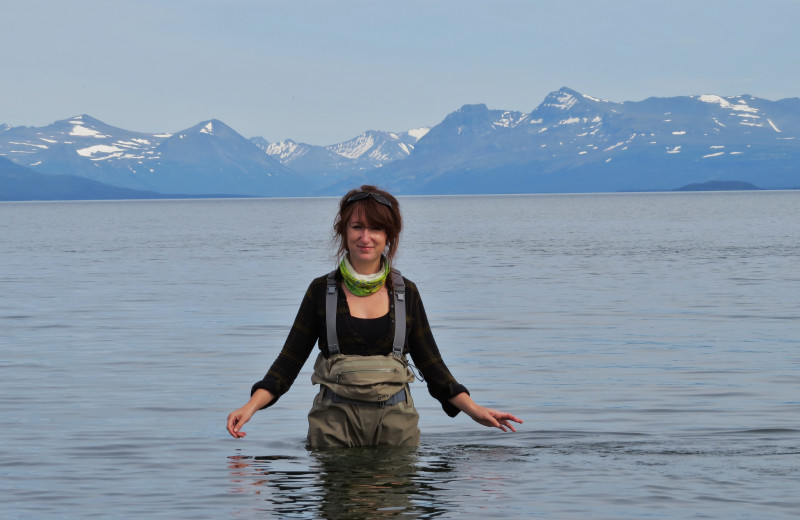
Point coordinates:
[[372, 329]]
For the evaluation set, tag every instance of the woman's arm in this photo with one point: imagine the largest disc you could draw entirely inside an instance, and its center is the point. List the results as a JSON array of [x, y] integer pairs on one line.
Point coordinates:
[[442, 385], [483, 415], [237, 419]]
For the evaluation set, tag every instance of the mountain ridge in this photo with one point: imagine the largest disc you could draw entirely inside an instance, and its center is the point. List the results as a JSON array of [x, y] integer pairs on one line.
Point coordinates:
[[570, 142], [367, 151], [573, 142], [209, 157]]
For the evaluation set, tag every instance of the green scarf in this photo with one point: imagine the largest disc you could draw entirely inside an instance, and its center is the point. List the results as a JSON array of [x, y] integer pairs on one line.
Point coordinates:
[[359, 284]]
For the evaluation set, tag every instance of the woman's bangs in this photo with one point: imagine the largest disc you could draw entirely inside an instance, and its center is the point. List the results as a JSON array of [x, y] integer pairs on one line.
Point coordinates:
[[374, 214]]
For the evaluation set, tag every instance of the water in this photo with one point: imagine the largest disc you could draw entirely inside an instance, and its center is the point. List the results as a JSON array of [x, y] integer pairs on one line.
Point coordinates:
[[650, 342]]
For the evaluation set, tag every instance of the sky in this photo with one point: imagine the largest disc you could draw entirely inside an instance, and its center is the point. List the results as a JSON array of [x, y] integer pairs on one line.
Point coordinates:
[[324, 71]]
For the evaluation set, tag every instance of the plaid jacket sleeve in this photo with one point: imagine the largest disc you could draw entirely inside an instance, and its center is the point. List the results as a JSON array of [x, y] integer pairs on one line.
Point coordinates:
[[297, 347], [426, 356]]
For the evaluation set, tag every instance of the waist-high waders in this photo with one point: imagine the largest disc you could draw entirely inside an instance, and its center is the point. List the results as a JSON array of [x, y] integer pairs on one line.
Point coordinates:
[[363, 400]]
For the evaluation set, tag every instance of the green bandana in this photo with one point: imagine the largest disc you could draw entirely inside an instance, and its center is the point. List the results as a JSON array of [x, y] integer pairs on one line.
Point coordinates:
[[359, 284]]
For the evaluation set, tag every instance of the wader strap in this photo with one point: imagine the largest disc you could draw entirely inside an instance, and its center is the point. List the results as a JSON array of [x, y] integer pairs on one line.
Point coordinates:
[[399, 397], [330, 314], [399, 289]]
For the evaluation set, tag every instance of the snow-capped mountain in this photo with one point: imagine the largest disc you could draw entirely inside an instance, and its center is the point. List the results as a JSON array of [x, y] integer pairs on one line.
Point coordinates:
[[573, 142], [207, 158], [368, 151], [80, 142], [570, 142]]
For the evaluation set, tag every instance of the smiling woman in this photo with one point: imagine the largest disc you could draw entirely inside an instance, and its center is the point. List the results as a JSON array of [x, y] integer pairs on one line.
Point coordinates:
[[366, 319]]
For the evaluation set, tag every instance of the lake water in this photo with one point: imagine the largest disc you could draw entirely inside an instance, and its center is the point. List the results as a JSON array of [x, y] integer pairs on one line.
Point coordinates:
[[651, 342]]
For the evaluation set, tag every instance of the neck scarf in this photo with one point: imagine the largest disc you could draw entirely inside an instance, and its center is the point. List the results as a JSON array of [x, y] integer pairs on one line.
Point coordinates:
[[363, 285]]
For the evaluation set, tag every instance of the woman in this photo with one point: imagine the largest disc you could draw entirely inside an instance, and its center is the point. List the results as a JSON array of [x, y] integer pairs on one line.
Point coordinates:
[[367, 319]]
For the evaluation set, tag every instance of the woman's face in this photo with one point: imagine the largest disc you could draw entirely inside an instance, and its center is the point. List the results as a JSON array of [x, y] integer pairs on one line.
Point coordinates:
[[366, 244]]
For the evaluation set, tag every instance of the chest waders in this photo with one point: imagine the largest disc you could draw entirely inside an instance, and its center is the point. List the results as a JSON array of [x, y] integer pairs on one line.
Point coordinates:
[[363, 400]]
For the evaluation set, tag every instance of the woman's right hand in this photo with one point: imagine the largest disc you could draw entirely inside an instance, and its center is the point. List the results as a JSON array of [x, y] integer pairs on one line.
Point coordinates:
[[238, 418]]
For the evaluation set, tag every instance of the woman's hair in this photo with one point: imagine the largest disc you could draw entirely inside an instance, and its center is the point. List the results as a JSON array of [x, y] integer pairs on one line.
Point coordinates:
[[374, 212]]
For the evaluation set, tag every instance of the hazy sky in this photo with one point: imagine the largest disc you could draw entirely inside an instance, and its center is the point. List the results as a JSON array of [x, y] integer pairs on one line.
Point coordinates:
[[323, 71]]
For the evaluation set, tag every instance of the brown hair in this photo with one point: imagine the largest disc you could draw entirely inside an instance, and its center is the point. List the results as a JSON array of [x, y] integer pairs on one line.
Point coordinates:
[[374, 214]]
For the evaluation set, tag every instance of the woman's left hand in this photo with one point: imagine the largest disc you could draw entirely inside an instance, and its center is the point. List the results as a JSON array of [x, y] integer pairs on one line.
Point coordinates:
[[485, 416], [494, 418]]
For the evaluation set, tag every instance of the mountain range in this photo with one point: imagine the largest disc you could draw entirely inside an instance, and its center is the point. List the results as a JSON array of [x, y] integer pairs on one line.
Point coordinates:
[[570, 142]]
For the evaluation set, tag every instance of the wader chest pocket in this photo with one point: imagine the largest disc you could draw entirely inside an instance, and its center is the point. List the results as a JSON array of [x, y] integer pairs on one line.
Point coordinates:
[[367, 378], [365, 370]]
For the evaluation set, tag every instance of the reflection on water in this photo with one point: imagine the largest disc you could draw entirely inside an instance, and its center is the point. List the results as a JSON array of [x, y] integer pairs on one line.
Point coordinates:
[[385, 482], [529, 474], [439, 478]]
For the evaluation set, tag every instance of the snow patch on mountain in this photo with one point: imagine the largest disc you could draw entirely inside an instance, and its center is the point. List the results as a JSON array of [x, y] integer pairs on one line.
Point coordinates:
[[284, 150], [740, 105], [711, 98], [356, 148], [99, 148], [564, 101], [509, 119], [621, 143], [82, 131], [419, 133], [596, 100], [34, 145]]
